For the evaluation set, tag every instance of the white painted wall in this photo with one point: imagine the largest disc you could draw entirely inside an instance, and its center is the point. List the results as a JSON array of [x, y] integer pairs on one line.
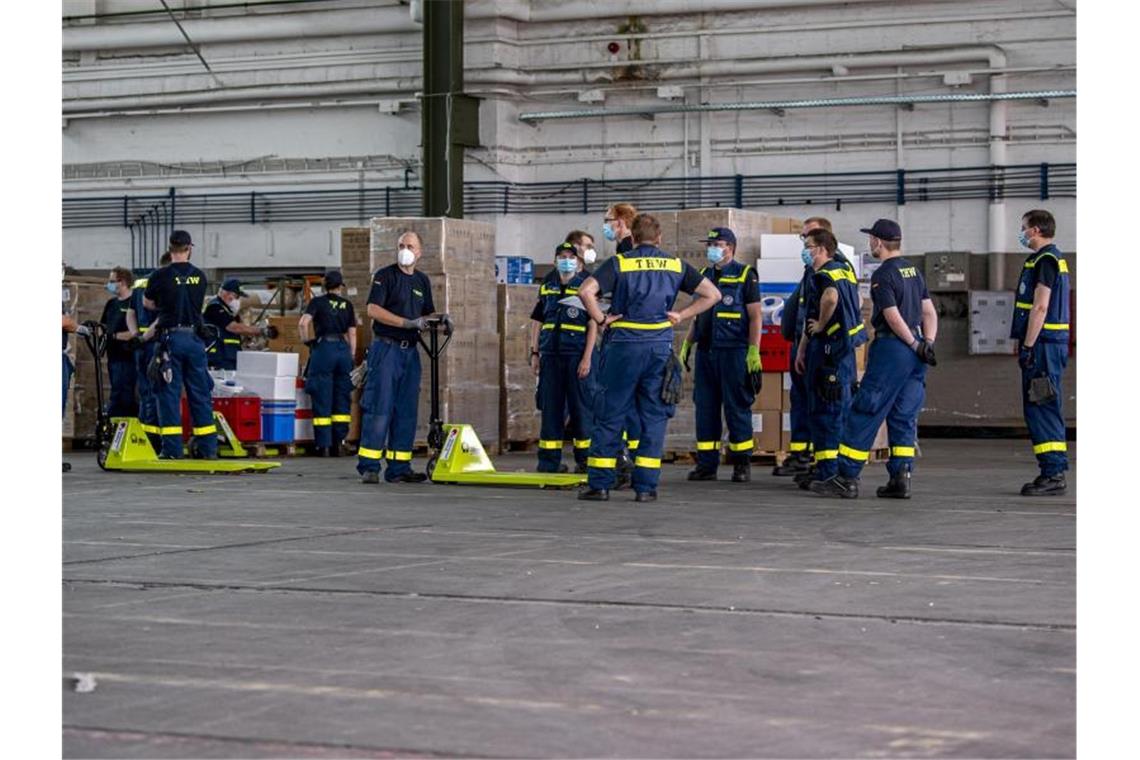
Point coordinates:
[[119, 138]]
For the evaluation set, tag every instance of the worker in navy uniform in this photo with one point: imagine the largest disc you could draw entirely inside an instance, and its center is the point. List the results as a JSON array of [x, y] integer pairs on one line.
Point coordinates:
[[638, 369], [399, 301], [222, 313], [176, 292], [826, 354], [894, 386], [121, 342], [617, 228], [799, 458], [328, 328], [1041, 329], [562, 348], [727, 342], [142, 322], [583, 242]]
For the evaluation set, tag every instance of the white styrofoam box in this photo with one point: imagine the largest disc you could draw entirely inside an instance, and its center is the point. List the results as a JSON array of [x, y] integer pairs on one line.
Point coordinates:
[[269, 387], [781, 247], [780, 270], [267, 363], [303, 430], [304, 400], [856, 261], [757, 423]]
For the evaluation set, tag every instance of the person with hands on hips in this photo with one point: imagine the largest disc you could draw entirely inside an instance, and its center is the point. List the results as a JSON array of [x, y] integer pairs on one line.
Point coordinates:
[[727, 343], [398, 303], [328, 328], [1041, 328], [617, 227], [562, 347]]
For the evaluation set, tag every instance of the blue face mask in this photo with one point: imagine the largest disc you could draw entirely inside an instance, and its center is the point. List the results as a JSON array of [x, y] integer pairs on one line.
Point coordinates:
[[608, 231], [567, 266], [1024, 240], [805, 257], [112, 288], [715, 254]]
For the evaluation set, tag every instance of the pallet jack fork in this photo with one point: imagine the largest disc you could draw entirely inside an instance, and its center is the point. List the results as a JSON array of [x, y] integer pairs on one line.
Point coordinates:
[[458, 456], [122, 444]]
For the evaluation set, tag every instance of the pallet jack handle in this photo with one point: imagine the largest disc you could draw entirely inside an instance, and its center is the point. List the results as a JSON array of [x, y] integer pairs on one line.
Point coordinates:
[[96, 340], [435, 324]]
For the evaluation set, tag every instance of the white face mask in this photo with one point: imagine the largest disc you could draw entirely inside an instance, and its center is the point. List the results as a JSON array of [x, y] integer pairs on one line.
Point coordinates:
[[589, 256], [405, 257], [235, 305]]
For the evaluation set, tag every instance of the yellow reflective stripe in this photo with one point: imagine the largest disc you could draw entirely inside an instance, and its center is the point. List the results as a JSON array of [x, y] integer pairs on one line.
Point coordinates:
[[322, 421], [581, 443], [139, 283], [648, 462], [545, 291], [708, 445], [1023, 305], [831, 330], [840, 274], [1043, 448], [1055, 326], [170, 430], [855, 330], [607, 463], [649, 264], [729, 315], [574, 328], [631, 445], [735, 280], [548, 326], [232, 341], [150, 429], [370, 453], [742, 446], [1063, 266], [856, 454], [642, 325], [205, 430], [826, 454], [550, 444], [399, 456], [797, 446], [342, 418], [902, 451]]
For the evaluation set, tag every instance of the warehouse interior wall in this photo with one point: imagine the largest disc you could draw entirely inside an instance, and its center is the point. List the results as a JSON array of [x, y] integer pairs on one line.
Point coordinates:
[[322, 95]]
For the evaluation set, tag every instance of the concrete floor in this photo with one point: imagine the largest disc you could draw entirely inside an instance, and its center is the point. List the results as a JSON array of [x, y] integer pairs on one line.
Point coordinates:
[[301, 614]]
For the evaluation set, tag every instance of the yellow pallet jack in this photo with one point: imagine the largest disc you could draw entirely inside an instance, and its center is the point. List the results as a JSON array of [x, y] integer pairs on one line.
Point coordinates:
[[458, 456], [123, 445]]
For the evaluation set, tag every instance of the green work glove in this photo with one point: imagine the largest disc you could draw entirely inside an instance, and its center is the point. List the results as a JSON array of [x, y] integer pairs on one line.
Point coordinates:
[[686, 351], [752, 359]]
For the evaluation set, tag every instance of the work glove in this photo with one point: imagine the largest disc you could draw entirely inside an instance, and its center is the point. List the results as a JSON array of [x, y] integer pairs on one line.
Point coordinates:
[[925, 351], [270, 331], [359, 374], [1026, 357], [448, 325], [83, 330], [419, 323], [752, 359], [686, 352]]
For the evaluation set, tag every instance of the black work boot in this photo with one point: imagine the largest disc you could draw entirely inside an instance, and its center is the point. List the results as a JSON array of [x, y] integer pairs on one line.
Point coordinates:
[[804, 479], [409, 477], [793, 464], [1042, 485], [700, 473], [645, 496], [742, 472], [898, 487], [593, 494], [370, 478], [837, 485]]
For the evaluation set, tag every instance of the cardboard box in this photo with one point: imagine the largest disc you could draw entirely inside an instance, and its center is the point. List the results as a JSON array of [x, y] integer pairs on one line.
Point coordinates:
[[785, 430], [288, 340], [519, 420], [693, 226], [771, 393], [766, 431], [786, 397]]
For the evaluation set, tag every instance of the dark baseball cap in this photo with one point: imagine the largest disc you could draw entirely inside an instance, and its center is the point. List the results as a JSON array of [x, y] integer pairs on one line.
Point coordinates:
[[333, 279], [565, 248], [884, 229], [721, 233], [180, 239], [233, 285]]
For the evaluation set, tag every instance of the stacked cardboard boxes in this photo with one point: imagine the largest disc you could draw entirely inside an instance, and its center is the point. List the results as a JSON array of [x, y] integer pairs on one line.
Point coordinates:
[[519, 420], [84, 299], [356, 268], [459, 257]]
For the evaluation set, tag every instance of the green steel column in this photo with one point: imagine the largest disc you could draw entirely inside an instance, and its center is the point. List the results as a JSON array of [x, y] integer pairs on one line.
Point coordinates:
[[450, 118]]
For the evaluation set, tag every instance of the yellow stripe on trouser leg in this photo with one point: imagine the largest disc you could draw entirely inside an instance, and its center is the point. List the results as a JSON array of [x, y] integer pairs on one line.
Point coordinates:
[[1044, 448], [170, 430], [341, 418], [742, 446], [205, 430], [826, 454], [550, 444], [856, 454], [797, 446], [370, 453], [649, 462], [150, 429], [902, 451], [322, 421], [606, 463], [400, 456], [581, 443], [708, 445]]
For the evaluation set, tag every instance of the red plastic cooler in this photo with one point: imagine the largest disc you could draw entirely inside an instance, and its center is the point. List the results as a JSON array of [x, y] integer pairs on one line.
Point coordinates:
[[243, 413]]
